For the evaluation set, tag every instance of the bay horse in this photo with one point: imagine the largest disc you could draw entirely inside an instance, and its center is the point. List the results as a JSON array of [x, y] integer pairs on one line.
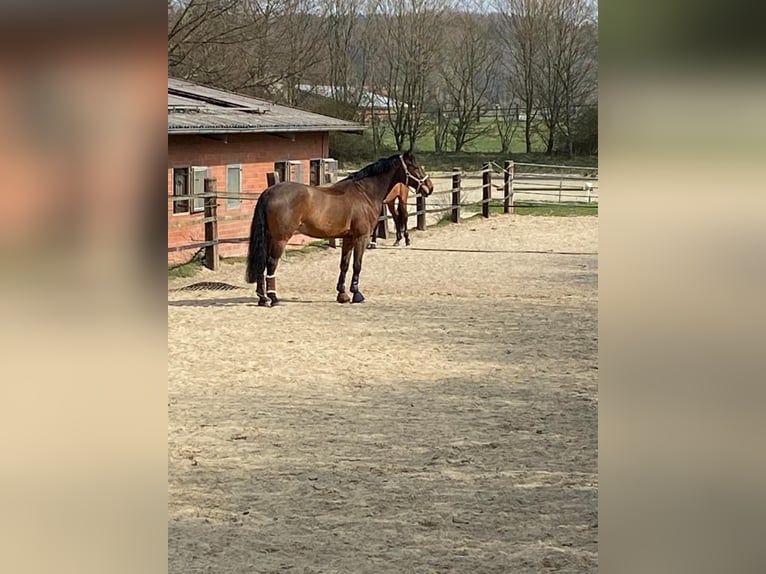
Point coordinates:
[[348, 210], [400, 192]]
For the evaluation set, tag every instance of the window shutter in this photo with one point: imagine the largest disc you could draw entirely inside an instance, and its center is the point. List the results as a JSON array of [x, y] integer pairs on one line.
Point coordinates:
[[233, 186], [296, 171], [330, 170], [198, 188]]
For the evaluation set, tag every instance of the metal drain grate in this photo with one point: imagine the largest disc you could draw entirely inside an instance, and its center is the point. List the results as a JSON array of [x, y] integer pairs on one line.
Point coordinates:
[[208, 286]]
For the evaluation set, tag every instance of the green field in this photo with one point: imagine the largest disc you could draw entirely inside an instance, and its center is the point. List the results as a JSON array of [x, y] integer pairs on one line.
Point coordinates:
[[487, 143], [557, 209], [570, 209], [354, 152]]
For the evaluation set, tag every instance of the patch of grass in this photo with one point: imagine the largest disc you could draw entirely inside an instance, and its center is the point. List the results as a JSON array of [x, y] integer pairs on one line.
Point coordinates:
[[556, 209], [443, 220], [233, 260], [189, 269]]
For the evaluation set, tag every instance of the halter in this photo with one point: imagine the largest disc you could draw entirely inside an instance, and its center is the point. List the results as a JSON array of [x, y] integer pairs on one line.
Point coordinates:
[[420, 181]]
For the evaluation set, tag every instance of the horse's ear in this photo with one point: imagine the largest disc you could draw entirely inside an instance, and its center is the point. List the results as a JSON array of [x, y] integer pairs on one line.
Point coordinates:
[[408, 154]]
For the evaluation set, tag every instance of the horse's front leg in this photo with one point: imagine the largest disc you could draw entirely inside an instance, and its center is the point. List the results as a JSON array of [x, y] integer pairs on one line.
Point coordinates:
[[404, 217], [345, 257], [397, 222], [359, 246]]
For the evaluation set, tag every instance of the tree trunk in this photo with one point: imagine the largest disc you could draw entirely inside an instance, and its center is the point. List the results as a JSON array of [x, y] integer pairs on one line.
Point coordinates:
[[550, 143], [528, 135], [399, 139], [438, 131]]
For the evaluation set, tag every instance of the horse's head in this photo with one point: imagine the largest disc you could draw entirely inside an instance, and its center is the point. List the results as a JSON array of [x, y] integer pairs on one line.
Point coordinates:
[[414, 175]]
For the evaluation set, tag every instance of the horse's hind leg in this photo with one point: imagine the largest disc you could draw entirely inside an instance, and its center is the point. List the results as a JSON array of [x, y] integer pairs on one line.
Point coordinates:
[[260, 290], [276, 249]]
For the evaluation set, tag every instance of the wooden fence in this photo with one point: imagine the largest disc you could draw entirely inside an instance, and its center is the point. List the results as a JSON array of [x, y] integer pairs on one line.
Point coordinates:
[[524, 187]]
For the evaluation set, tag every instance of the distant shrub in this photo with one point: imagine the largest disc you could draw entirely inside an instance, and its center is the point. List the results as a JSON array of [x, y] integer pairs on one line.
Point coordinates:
[[355, 149], [585, 141]]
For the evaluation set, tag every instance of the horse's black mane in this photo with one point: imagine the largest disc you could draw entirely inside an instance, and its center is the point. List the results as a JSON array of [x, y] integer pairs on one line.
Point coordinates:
[[380, 166]]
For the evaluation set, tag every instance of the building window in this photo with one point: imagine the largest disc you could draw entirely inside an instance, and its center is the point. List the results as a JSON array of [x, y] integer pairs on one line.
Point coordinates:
[[282, 170], [289, 171], [315, 172], [233, 186], [181, 189]]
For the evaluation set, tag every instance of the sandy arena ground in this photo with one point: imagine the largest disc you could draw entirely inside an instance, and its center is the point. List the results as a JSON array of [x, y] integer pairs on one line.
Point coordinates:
[[447, 424]]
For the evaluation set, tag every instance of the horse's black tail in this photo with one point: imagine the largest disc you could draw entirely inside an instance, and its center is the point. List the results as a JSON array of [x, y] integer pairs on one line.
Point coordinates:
[[257, 251]]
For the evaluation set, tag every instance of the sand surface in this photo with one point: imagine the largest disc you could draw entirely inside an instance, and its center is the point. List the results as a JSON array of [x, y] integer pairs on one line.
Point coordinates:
[[447, 424]]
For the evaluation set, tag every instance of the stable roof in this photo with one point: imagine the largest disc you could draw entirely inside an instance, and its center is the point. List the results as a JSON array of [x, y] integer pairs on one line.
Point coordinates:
[[198, 109]]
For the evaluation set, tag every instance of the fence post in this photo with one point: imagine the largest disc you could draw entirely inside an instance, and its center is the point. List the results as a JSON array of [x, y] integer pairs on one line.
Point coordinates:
[[382, 226], [486, 189], [420, 205], [455, 213], [508, 187], [211, 225]]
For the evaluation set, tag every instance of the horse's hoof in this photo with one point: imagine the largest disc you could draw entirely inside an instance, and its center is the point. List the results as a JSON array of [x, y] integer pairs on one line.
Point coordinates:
[[396, 243], [407, 242], [358, 297], [343, 297], [263, 302], [274, 300], [372, 246]]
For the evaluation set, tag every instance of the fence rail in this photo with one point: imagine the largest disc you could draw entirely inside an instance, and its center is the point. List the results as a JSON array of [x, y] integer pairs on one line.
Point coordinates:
[[545, 189]]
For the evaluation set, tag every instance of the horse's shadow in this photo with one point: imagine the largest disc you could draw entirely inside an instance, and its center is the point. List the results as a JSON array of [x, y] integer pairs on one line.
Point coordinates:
[[238, 301]]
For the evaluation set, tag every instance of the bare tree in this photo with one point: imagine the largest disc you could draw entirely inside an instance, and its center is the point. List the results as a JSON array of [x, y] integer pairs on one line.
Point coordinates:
[[197, 25], [437, 69], [468, 65], [350, 50], [440, 123], [564, 80], [301, 28], [257, 46], [410, 35], [578, 65], [344, 49], [506, 124], [522, 22]]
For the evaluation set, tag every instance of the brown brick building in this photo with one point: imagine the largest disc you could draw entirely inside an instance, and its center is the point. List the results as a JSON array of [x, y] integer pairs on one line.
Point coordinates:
[[236, 140]]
